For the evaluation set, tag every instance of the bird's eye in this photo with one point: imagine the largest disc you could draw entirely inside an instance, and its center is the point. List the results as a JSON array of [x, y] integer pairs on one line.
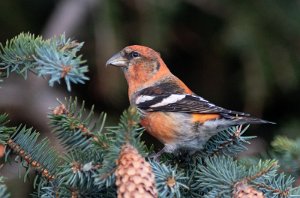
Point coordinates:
[[134, 54]]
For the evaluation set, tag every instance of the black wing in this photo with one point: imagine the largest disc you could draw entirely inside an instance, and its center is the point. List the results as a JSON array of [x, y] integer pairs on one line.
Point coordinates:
[[180, 103]]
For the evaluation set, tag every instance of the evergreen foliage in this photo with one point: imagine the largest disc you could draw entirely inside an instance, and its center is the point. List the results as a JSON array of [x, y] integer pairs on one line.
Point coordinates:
[[263, 175], [73, 125], [231, 141], [31, 154], [5, 132], [89, 172], [170, 182], [91, 152], [3, 189], [287, 152], [55, 57]]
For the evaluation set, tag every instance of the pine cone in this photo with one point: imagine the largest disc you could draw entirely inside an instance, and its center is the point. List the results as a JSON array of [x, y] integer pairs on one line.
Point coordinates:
[[134, 176], [243, 190]]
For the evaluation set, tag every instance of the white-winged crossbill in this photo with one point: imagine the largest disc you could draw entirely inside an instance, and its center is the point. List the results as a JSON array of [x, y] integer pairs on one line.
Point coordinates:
[[170, 111]]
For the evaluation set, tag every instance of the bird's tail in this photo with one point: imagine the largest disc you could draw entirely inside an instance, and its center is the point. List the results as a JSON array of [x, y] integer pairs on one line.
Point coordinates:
[[238, 120]]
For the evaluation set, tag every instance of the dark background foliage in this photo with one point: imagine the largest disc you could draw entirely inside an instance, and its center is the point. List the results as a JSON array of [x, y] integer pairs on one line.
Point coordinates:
[[242, 55]]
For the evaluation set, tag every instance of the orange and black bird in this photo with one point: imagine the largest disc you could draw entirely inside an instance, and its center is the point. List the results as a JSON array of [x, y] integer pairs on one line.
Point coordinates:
[[170, 111]]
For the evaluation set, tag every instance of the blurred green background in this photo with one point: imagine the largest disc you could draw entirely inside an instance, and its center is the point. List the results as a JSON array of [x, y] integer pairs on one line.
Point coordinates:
[[241, 55]]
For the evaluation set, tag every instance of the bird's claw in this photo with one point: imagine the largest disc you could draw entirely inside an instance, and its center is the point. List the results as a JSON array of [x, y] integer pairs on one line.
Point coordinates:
[[156, 156]]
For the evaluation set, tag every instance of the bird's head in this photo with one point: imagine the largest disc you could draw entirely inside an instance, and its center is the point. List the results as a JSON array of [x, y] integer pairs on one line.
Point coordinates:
[[141, 65]]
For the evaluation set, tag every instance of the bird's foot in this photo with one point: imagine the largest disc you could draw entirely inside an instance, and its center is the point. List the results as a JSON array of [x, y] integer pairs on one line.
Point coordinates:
[[156, 156]]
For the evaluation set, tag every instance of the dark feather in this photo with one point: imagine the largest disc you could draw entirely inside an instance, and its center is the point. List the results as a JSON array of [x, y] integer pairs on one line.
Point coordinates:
[[189, 104], [164, 88]]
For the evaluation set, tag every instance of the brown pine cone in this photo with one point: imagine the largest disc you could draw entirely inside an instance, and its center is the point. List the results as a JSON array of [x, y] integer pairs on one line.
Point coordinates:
[[59, 110], [134, 176], [243, 190]]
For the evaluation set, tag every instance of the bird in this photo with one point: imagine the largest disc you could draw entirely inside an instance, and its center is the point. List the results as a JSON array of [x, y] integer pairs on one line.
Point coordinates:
[[170, 111]]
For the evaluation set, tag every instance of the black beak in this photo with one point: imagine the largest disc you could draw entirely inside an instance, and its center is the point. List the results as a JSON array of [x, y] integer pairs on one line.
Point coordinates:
[[118, 60]]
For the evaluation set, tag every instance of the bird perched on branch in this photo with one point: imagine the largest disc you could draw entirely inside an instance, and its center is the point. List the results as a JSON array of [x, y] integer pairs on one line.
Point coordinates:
[[170, 111]]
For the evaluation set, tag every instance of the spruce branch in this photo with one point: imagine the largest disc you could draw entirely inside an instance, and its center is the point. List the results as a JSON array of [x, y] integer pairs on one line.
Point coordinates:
[[219, 173], [284, 144], [287, 150], [17, 55], [264, 175], [228, 142], [76, 126], [219, 176], [3, 189], [169, 181], [79, 167], [295, 192], [5, 132], [279, 186], [127, 132], [54, 190], [262, 170], [55, 57], [39, 156]]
